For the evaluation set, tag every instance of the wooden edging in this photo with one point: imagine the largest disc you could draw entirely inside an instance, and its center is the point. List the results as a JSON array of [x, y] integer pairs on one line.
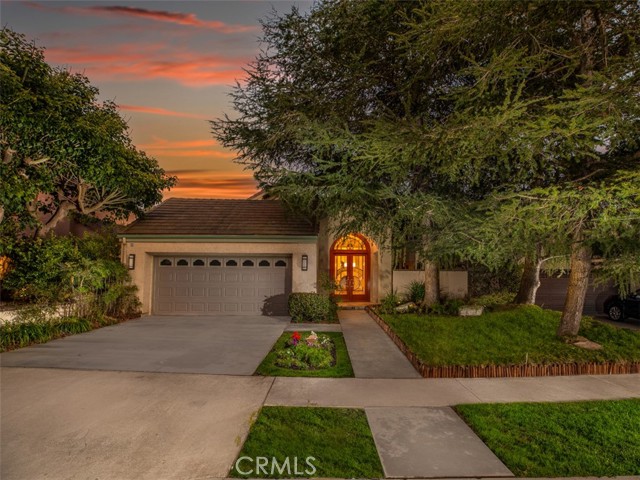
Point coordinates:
[[495, 371]]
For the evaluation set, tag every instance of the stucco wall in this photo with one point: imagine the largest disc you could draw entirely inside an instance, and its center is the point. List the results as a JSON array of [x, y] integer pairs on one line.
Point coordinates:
[[145, 251], [453, 283]]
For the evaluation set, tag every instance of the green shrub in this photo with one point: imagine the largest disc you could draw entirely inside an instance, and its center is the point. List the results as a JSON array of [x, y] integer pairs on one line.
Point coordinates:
[[389, 302], [84, 273], [446, 307], [484, 281], [312, 307], [415, 292], [493, 300]]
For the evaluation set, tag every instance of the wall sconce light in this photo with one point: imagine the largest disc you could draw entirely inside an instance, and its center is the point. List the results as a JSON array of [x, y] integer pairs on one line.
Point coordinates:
[[305, 263], [131, 261]]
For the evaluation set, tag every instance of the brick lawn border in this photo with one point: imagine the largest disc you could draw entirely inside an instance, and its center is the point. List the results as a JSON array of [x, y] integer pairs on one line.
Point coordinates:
[[495, 371]]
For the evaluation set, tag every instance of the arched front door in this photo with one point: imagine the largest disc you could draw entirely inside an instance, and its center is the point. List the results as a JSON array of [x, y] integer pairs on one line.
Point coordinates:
[[350, 268]]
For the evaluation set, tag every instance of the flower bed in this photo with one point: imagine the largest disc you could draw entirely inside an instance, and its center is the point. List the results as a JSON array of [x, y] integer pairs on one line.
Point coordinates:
[[307, 352], [308, 355]]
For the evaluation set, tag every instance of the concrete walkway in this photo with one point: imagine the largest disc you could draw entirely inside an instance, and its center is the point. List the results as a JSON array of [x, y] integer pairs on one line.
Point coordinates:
[[372, 353], [430, 442]]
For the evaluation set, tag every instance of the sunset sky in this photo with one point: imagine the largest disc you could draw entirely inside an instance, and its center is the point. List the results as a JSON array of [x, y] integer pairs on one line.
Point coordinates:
[[169, 65]]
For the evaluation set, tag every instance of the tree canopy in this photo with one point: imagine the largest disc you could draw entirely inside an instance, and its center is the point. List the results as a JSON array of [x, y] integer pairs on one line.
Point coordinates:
[[397, 116], [62, 149]]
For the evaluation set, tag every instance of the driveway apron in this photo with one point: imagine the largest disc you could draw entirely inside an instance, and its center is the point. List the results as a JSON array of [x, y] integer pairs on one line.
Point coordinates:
[[71, 424]]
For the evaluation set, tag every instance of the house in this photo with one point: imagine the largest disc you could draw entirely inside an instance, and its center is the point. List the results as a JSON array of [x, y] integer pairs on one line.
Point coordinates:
[[208, 256]]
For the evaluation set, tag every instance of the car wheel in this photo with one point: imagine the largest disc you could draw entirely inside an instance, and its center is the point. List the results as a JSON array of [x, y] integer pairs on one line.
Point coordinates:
[[615, 313]]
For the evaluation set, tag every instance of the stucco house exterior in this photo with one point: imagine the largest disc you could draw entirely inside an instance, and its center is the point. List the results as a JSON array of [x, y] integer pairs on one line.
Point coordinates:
[[211, 256]]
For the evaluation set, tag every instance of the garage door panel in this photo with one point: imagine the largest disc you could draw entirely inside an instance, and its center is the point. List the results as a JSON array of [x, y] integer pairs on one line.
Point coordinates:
[[180, 307], [198, 307], [181, 291], [199, 277], [164, 307], [247, 307], [165, 291], [215, 277], [264, 292], [231, 277], [248, 292], [230, 307], [166, 276], [215, 292], [227, 285]]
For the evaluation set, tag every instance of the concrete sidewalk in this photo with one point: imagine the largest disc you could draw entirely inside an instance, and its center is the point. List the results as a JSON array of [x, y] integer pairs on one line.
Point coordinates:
[[357, 392], [372, 353]]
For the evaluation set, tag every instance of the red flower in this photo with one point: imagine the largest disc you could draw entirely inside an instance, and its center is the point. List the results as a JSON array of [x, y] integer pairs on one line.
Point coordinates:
[[295, 336]]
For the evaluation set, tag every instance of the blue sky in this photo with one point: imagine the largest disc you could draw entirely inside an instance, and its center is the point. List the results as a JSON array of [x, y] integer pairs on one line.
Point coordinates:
[[169, 65]]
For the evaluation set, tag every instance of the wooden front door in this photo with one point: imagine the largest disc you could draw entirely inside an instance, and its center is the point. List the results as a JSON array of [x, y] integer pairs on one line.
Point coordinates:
[[350, 268]]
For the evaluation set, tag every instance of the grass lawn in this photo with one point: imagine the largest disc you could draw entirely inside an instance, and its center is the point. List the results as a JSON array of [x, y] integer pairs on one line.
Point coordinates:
[[512, 337], [342, 368], [339, 439], [561, 439]]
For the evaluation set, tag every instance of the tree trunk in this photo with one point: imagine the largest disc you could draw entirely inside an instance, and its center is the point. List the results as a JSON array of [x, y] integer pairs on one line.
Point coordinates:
[[62, 212], [431, 283], [576, 291], [530, 281]]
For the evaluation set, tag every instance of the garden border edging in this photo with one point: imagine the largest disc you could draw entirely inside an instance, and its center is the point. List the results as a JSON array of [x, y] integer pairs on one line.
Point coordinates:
[[501, 371]]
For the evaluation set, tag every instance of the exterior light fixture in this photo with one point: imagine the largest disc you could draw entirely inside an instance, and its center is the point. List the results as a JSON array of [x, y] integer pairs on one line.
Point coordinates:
[[131, 261], [305, 263]]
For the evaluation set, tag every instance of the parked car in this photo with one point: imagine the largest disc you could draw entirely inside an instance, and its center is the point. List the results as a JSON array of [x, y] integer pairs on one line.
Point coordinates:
[[620, 308]]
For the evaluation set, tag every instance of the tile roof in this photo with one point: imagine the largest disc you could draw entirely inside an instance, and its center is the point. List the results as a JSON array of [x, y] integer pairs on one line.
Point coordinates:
[[197, 216]]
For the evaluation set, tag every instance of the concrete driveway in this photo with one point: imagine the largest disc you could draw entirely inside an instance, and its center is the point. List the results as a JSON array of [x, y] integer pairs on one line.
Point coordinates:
[[227, 345], [78, 424]]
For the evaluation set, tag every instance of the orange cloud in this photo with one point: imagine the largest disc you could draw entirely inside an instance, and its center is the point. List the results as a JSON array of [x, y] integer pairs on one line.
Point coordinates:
[[178, 18], [149, 62], [210, 184], [160, 111]]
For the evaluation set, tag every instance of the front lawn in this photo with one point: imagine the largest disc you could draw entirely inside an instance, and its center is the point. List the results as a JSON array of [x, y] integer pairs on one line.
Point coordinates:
[[338, 439], [561, 439], [341, 368], [523, 335]]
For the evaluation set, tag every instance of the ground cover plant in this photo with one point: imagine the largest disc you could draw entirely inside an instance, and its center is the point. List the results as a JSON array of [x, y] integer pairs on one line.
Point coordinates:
[[595, 438], [521, 335], [24, 333], [303, 355], [338, 439]]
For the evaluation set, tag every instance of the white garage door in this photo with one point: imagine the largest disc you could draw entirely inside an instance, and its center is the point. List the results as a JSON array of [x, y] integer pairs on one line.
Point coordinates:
[[209, 285]]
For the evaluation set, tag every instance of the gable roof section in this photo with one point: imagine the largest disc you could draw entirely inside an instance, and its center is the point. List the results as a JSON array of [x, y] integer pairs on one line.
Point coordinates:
[[215, 217]]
